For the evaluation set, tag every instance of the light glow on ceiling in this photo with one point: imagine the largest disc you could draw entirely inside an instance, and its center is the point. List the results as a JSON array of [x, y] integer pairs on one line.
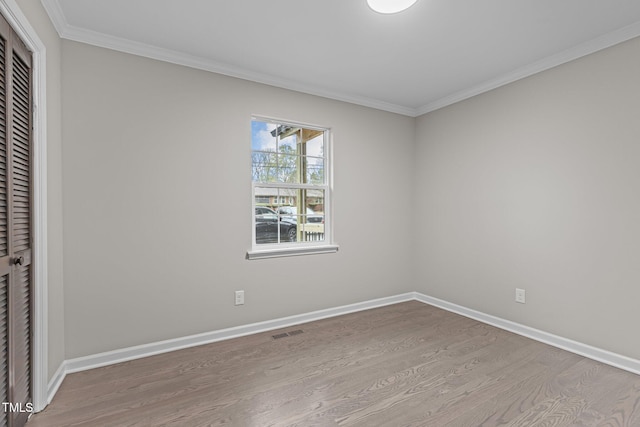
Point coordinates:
[[390, 6]]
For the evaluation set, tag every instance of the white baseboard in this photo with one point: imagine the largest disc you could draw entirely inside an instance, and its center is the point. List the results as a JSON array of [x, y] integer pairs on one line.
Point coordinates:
[[56, 381], [137, 352], [604, 356], [145, 350]]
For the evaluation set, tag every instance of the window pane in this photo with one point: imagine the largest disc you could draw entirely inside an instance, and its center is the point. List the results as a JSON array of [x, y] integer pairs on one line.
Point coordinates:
[[288, 154], [264, 166], [315, 146], [288, 168], [266, 219], [287, 200], [315, 170], [280, 219], [288, 144], [262, 138], [312, 216]]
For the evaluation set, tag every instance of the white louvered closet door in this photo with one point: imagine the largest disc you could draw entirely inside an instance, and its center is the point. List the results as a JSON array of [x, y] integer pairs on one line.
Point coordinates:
[[16, 206]]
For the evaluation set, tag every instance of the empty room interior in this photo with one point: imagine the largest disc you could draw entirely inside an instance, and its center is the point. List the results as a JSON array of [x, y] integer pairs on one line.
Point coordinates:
[[320, 213]]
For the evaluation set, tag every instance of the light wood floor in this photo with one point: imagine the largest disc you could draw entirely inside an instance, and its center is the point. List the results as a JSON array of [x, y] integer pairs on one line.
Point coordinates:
[[408, 364]]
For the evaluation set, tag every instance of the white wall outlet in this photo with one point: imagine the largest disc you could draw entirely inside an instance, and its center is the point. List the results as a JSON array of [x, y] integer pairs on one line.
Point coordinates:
[[239, 297], [520, 295]]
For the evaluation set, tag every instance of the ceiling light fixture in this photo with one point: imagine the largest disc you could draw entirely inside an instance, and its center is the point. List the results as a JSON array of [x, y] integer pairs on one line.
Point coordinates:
[[390, 6]]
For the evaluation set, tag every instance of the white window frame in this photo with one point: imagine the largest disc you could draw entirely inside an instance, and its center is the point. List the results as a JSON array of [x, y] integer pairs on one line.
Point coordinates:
[[284, 249]]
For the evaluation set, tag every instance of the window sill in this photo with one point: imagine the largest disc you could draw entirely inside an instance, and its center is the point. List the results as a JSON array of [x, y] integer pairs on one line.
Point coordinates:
[[286, 252]]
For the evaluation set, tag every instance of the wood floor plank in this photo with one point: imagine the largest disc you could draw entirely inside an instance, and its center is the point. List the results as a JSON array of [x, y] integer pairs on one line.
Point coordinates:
[[535, 387], [407, 364], [553, 412]]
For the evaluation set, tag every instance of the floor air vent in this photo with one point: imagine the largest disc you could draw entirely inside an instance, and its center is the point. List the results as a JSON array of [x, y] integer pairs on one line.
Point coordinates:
[[288, 334]]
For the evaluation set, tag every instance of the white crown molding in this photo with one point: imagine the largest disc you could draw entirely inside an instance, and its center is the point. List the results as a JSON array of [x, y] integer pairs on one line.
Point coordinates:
[[192, 61], [94, 38], [70, 32], [54, 10], [584, 49]]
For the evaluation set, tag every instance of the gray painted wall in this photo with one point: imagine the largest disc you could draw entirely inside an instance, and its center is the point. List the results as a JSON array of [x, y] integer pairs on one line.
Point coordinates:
[[157, 202], [537, 185]]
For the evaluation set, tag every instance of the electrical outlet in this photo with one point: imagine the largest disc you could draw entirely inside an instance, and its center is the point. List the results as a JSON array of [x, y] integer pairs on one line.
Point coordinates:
[[520, 296], [239, 297]]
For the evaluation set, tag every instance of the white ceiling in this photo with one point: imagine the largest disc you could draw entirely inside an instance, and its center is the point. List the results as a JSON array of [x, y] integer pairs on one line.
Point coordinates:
[[434, 54]]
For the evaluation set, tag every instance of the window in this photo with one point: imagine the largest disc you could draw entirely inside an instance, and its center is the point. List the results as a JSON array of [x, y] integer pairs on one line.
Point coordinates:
[[290, 189]]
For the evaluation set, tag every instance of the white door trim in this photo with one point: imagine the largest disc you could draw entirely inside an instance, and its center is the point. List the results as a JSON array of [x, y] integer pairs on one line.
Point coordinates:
[[39, 369]]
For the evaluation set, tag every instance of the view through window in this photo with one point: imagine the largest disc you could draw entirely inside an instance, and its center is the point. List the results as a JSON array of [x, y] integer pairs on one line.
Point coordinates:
[[290, 184]]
